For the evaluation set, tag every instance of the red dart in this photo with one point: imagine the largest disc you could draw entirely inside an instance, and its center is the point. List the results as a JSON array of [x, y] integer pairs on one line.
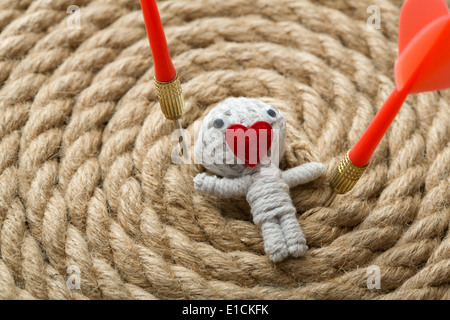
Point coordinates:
[[168, 86], [164, 69], [423, 65]]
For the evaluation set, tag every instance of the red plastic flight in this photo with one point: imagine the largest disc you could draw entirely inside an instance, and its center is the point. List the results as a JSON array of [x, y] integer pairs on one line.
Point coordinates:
[[423, 65], [250, 144], [164, 69]]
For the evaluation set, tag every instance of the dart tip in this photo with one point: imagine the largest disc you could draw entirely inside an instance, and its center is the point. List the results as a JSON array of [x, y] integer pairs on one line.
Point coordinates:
[[181, 130], [330, 199], [181, 139], [179, 126]]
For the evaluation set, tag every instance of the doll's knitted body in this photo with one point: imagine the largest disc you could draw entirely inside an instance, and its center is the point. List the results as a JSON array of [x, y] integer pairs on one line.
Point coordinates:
[[264, 185]]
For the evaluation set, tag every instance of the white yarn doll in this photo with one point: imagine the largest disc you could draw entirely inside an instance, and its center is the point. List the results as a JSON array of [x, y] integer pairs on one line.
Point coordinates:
[[234, 143]]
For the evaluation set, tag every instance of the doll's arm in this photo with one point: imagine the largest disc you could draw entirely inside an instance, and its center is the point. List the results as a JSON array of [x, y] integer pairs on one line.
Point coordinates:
[[223, 187], [303, 174]]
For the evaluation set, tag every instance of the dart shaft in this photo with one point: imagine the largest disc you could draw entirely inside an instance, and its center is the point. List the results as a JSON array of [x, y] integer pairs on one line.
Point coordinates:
[[362, 151]]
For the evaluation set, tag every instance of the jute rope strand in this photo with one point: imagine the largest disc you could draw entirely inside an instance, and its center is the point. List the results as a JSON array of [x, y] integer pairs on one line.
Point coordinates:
[[86, 177]]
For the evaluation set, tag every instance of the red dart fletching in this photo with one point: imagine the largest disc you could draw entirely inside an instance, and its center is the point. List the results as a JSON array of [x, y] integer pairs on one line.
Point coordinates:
[[424, 46], [423, 65]]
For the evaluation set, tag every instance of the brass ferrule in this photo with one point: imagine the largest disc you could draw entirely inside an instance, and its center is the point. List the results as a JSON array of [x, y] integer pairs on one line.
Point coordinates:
[[170, 98], [346, 176]]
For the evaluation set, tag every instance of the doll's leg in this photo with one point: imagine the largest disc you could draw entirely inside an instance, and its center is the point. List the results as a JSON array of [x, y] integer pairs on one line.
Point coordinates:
[[274, 243], [293, 234]]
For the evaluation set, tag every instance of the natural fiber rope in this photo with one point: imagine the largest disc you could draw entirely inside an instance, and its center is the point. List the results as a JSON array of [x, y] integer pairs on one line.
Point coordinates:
[[86, 177]]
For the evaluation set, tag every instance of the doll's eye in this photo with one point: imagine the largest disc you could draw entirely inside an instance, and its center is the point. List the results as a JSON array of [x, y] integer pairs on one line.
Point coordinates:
[[218, 123], [272, 113]]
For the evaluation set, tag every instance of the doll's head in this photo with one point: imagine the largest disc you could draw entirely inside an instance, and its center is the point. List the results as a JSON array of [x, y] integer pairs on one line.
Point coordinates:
[[212, 147]]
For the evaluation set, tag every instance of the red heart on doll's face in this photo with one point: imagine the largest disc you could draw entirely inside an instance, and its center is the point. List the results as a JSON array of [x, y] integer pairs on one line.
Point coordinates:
[[249, 144]]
